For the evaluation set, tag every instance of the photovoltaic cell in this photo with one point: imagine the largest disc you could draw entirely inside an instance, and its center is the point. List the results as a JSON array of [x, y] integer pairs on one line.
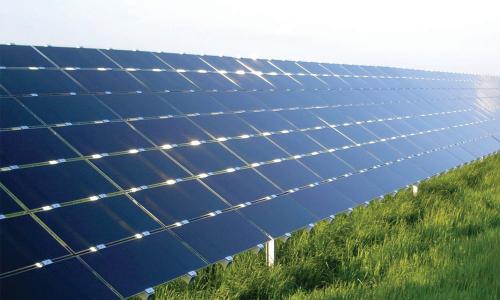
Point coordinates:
[[326, 166], [210, 81], [404, 146], [137, 105], [358, 188], [188, 103], [48, 185], [77, 57], [241, 187], [102, 138], [170, 131], [163, 81], [282, 81], [383, 151], [111, 220], [64, 280], [222, 63], [12, 114], [255, 149], [276, 99], [30, 146], [288, 174], [335, 83], [205, 158], [279, 216], [62, 109], [386, 180], [436, 162], [311, 82], [182, 201], [301, 118], [313, 67], [239, 101], [183, 61], [106, 81], [157, 258], [143, 168], [259, 65], [357, 157], [336, 69], [267, 121], [357, 134], [324, 200], [224, 125], [190, 159], [296, 143], [409, 170], [218, 236], [37, 81], [7, 204], [21, 56], [461, 153], [24, 242], [134, 59], [249, 81], [287, 66], [330, 138]]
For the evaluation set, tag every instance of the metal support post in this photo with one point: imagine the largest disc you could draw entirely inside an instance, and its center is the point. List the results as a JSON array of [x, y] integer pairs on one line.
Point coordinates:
[[270, 253]]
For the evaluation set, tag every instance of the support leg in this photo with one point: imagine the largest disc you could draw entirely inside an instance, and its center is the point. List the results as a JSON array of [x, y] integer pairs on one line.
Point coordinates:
[[414, 189], [270, 253]]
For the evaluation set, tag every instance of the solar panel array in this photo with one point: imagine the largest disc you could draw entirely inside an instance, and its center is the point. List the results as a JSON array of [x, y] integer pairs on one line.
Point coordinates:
[[121, 170]]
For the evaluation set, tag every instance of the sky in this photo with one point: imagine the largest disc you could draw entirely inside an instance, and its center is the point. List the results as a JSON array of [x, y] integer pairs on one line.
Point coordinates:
[[456, 36]]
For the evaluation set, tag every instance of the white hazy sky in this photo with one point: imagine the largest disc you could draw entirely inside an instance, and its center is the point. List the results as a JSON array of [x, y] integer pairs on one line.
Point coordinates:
[[447, 35]]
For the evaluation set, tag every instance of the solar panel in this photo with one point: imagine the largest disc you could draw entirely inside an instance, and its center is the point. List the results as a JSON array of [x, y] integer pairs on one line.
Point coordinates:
[[121, 170]]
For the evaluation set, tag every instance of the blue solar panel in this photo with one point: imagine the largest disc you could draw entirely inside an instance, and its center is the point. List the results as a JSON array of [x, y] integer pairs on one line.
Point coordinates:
[[296, 142], [121, 170], [62, 109], [42, 186], [130, 171], [106, 81], [288, 174], [135, 105], [163, 81], [205, 158], [20, 81], [23, 242], [12, 114], [63, 280], [21, 56], [187, 103], [205, 235], [242, 186], [98, 138], [77, 57], [170, 131], [182, 201], [134, 59], [324, 200], [255, 149], [292, 216], [31, 146], [146, 269], [112, 220]]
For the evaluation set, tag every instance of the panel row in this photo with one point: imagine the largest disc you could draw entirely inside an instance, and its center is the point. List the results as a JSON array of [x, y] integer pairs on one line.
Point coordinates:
[[204, 236], [27, 56], [75, 109], [121, 170]]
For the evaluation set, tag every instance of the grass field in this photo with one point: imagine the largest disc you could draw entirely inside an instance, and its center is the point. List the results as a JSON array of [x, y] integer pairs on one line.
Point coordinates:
[[442, 244]]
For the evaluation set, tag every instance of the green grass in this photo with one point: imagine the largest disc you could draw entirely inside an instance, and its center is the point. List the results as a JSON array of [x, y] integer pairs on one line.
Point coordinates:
[[442, 244]]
